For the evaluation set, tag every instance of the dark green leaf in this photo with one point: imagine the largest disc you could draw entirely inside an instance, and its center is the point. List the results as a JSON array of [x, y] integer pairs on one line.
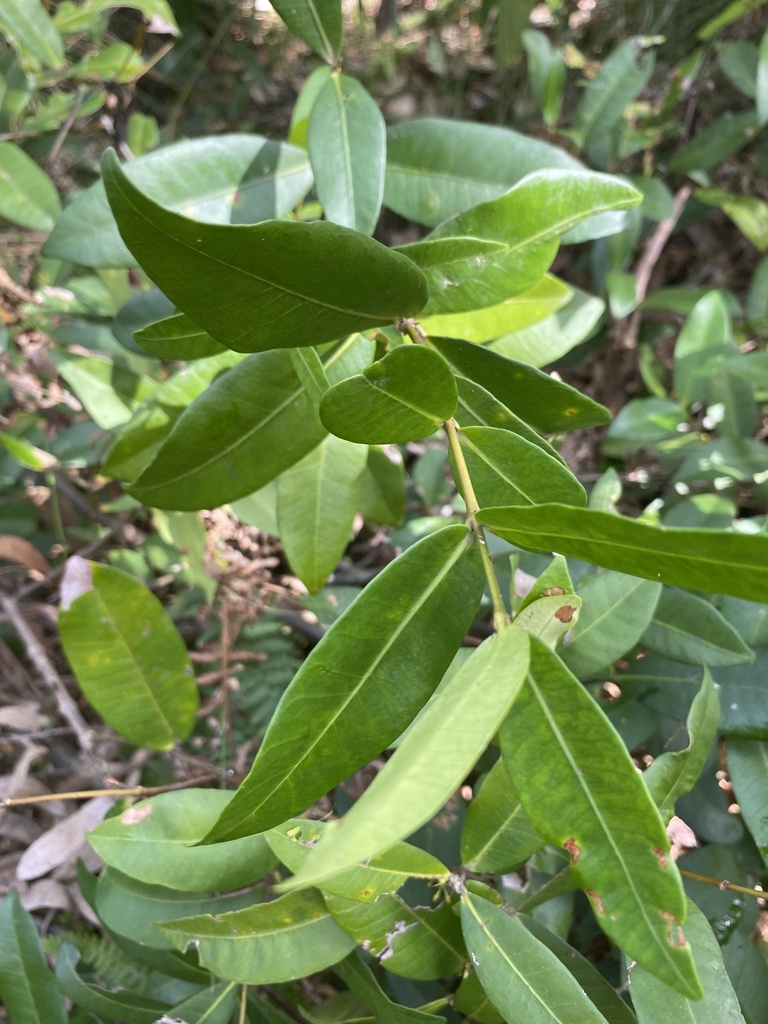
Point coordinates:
[[27, 195], [317, 22], [129, 659], [124, 1005], [748, 769], [715, 143], [363, 683], [177, 337], [540, 400], [141, 310], [592, 802], [361, 981], [497, 833], [708, 560], [277, 284], [687, 628], [382, 487], [347, 141], [400, 398], [27, 986]]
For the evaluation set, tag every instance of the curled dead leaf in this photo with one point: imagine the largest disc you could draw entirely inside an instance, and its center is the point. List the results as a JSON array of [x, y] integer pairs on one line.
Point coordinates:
[[21, 552]]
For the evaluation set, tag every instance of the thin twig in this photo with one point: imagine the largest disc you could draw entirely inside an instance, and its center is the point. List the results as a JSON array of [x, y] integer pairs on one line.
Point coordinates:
[[48, 674], [724, 885], [141, 792]]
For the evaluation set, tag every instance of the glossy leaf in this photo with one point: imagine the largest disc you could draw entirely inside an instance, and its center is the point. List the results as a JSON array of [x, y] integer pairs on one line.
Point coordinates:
[[687, 628], [124, 1005], [294, 840], [222, 179], [247, 427], [748, 770], [27, 195], [550, 339], [540, 400], [177, 337], [653, 1000], [437, 168], [152, 842], [284, 940], [347, 142], [502, 247], [507, 469], [129, 659], [431, 761], [27, 986], [316, 503], [29, 28], [363, 683], [400, 398], [277, 284], [361, 981], [592, 802], [529, 307], [674, 773], [497, 834], [523, 979], [414, 942], [317, 22], [616, 611], [709, 560]]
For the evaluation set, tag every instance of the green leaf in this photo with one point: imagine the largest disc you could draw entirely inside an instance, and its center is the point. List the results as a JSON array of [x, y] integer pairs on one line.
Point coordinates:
[[317, 22], [247, 427], [310, 371], [748, 770], [471, 1000], [400, 398], [546, 73], [437, 168], [521, 976], [674, 773], [29, 28], [382, 487], [77, 17], [123, 1005], [702, 343], [277, 284], [497, 834], [616, 610], [748, 213], [502, 247], [294, 840], [413, 942], [710, 560], [507, 469], [302, 108], [540, 400], [110, 393], [347, 141], [363, 683], [128, 657], [27, 985], [289, 938], [27, 195], [536, 303], [719, 140], [654, 1002], [316, 503], [177, 337], [222, 179], [687, 628], [361, 981], [592, 802], [550, 617], [151, 841], [761, 82], [431, 761]]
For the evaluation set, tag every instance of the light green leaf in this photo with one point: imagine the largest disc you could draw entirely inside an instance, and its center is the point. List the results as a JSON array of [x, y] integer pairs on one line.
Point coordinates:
[[654, 1002], [546, 73], [687, 628], [110, 393], [302, 108], [27, 195], [521, 976], [347, 141], [316, 503], [430, 762], [29, 28], [761, 82], [285, 282], [616, 610], [550, 617], [289, 938], [529, 307], [123, 1005], [497, 834], [592, 802], [310, 371], [748, 213], [400, 398], [703, 342], [248, 426], [222, 179], [76, 17], [361, 981], [128, 657], [151, 842], [543, 402], [710, 560], [27, 986], [674, 773], [507, 469], [748, 769], [363, 683], [177, 337], [317, 22]]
